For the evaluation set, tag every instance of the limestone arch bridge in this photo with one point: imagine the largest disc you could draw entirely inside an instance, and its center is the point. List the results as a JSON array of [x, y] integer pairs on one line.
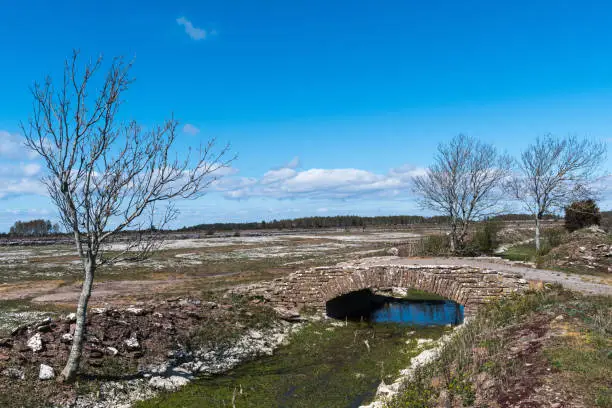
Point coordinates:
[[312, 288]]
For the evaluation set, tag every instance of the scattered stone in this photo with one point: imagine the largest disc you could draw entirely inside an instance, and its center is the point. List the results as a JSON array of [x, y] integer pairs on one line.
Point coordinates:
[[136, 311], [420, 342], [98, 310], [158, 315], [255, 334], [46, 372], [393, 251], [35, 343], [112, 351], [71, 318], [399, 292], [132, 343], [171, 383], [288, 314], [44, 322], [93, 339], [66, 338], [15, 373]]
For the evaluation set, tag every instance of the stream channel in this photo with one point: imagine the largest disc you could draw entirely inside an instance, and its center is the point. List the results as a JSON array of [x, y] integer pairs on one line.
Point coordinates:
[[337, 362]]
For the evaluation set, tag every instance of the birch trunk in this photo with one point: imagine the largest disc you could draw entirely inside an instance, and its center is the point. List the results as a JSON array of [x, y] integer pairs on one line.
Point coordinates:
[[537, 234], [72, 366]]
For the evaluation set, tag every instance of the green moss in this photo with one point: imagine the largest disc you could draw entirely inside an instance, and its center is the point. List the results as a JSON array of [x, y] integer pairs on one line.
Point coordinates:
[[323, 366], [416, 294]]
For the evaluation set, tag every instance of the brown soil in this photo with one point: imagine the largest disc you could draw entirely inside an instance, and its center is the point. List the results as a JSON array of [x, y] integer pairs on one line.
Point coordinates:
[[27, 289], [159, 328]]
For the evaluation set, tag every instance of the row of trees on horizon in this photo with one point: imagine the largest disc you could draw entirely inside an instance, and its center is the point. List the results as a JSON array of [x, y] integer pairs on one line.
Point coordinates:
[[344, 221]]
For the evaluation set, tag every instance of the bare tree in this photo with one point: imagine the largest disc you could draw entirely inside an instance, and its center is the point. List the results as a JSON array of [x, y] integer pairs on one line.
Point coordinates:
[[463, 184], [105, 176], [553, 172]]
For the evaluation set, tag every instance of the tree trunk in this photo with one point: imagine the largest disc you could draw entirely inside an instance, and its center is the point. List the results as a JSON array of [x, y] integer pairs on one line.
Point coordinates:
[[70, 371], [537, 234], [453, 238]]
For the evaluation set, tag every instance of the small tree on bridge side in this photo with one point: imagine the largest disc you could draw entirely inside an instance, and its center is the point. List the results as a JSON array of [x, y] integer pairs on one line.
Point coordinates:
[[553, 172], [106, 177], [463, 184]]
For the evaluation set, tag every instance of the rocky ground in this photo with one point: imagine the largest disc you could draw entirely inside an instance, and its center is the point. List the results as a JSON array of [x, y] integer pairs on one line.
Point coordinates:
[[589, 249], [131, 353]]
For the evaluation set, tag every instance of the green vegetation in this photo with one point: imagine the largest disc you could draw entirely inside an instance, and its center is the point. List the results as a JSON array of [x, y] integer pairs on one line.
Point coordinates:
[[576, 355], [581, 214], [551, 238], [522, 253], [323, 366], [416, 294], [484, 239]]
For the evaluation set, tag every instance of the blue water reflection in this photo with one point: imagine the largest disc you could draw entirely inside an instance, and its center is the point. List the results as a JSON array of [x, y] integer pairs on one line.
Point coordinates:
[[418, 313]]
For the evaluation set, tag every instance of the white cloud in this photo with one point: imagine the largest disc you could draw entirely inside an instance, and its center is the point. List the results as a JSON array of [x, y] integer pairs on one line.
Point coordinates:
[[12, 147], [274, 176], [190, 129], [192, 31], [22, 186], [288, 183], [18, 177]]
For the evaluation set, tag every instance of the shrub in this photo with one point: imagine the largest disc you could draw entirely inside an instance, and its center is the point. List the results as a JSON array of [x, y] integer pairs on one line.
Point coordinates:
[[484, 240], [436, 245], [581, 214], [431, 245]]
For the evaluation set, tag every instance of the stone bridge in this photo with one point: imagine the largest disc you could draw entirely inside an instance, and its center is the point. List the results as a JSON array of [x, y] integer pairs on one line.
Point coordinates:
[[312, 288]]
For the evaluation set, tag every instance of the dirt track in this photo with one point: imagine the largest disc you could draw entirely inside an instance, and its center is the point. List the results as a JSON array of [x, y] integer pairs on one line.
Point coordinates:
[[570, 281]]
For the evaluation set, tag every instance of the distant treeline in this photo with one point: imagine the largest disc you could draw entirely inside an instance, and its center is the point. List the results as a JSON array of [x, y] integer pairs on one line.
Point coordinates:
[[34, 228], [522, 217], [339, 221]]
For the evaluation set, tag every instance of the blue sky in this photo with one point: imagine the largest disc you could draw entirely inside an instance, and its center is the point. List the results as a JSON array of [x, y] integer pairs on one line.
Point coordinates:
[[330, 105]]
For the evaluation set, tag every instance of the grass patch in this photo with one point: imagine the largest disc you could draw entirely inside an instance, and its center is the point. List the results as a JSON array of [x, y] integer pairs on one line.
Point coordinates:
[[416, 294], [522, 253]]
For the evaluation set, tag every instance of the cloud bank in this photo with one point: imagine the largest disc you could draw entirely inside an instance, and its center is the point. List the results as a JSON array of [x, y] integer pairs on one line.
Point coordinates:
[[344, 183]]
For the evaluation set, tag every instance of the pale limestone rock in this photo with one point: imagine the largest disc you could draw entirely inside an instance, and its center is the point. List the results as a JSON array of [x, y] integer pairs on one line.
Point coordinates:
[[46, 372]]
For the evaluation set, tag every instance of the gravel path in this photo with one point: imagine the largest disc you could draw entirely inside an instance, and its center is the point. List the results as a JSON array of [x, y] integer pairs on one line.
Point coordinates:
[[579, 283]]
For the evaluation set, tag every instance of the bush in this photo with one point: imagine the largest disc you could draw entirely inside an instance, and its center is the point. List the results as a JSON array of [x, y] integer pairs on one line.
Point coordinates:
[[581, 214], [431, 245], [436, 245], [484, 240]]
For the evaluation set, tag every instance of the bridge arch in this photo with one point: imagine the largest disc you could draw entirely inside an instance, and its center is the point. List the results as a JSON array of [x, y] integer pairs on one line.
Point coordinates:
[[313, 288], [445, 285]]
